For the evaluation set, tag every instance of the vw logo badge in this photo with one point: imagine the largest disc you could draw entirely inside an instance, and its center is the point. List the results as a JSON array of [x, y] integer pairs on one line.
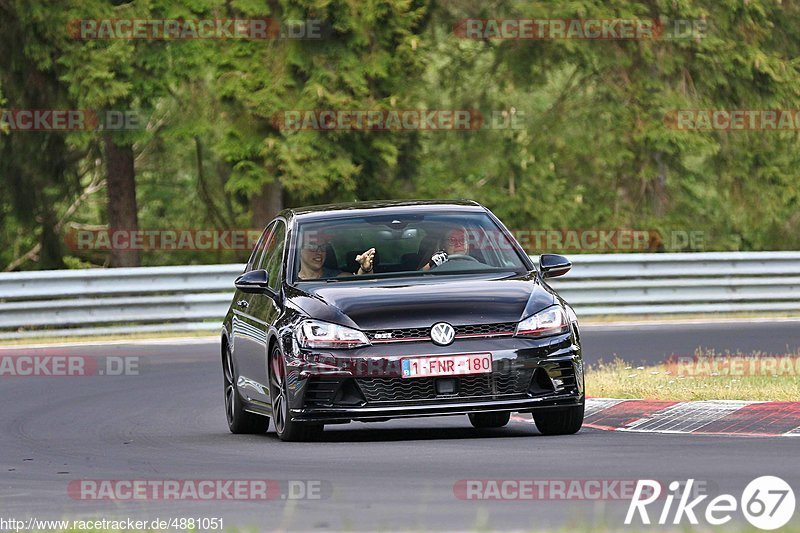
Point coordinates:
[[442, 333]]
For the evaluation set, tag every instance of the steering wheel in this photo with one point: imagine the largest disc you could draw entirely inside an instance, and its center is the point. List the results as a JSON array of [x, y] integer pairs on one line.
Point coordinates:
[[453, 262], [461, 257]]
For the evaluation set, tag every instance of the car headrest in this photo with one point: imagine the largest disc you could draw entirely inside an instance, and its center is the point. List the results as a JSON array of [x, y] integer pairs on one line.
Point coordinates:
[[331, 261], [409, 262], [427, 247]]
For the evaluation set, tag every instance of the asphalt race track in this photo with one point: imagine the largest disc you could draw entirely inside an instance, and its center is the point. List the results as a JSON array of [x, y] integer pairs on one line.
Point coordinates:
[[656, 342], [167, 422]]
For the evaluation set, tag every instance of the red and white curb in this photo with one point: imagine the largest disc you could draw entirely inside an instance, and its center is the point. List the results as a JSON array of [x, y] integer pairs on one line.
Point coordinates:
[[711, 417]]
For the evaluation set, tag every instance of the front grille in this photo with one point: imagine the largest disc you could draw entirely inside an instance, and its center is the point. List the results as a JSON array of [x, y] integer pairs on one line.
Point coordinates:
[[565, 371], [503, 328], [326, 392], [399, 334], [424, 334], [320, 392], [385, 390]]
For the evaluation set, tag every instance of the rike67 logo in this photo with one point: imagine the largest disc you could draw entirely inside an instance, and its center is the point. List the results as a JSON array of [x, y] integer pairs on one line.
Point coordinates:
[[767, 502]]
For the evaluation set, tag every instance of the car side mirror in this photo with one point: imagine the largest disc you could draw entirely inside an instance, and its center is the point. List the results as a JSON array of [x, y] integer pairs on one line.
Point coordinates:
[[553, 265], [253, 282]]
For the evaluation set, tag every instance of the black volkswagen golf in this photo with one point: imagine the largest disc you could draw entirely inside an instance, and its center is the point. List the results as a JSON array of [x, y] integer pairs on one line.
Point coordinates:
[[377, 310]]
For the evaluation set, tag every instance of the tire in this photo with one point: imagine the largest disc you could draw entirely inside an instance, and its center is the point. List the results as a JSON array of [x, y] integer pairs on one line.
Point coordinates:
[[287, 429], [239, 420], [489, 420], [566, 421]]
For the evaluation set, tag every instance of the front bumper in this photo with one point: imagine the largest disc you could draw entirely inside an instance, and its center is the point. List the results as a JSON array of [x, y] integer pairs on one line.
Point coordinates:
[[345, 414], [364, 384]]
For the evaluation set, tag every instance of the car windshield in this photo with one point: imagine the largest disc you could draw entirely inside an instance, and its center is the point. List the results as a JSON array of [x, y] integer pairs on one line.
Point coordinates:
[[402, 245]]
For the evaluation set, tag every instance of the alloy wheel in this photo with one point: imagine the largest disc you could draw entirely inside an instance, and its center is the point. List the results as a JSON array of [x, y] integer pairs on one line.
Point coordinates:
[[230, 386], [279, 406]]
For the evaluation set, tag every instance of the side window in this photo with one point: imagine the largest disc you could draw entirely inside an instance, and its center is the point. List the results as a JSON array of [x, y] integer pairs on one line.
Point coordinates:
[[258, 251], [272, 259]]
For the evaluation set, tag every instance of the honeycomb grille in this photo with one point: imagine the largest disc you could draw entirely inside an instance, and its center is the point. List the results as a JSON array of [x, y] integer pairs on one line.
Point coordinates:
[[423, 334], [400, 334], [565, 371], [486, 386], [320, 392], [504, 328]]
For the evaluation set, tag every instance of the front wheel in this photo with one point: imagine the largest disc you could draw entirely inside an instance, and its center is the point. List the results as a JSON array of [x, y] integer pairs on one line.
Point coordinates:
[[562, 421], [489, 420], [239, 420], [285, 427]]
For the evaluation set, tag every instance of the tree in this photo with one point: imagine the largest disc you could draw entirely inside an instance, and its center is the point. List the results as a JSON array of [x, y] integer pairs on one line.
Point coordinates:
[[37, 169], [592, 146], [367, 62]]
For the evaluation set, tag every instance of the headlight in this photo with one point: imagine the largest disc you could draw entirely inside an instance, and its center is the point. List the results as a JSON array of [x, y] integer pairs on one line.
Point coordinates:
[[571, 314], [316, 334], [551, 321]]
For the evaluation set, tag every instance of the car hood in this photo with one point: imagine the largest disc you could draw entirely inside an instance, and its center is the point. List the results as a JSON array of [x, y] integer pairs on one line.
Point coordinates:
[[415, 303]]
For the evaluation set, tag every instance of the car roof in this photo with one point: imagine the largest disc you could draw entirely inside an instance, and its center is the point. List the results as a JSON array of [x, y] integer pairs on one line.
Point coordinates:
[[377, 206]]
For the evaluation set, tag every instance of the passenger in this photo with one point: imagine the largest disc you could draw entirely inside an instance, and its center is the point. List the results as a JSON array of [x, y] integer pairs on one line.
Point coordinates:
[[454, 242], [312, 263]]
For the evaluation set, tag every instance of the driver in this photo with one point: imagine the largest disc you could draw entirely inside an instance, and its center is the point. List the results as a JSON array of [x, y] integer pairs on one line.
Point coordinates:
[[312, 262], [453, 242]]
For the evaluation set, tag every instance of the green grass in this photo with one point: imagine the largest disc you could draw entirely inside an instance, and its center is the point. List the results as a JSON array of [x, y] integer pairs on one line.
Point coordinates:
[[702, 380]]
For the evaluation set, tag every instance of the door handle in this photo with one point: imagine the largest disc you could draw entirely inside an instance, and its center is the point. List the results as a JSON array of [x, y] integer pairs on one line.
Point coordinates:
[[243, 303]]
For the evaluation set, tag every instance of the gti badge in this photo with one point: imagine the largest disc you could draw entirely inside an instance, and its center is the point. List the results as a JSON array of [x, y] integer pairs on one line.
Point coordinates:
[[442, 333]]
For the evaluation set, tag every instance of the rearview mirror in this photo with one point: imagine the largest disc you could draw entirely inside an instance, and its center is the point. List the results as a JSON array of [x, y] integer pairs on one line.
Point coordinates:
[[553, 265], [255, 281]]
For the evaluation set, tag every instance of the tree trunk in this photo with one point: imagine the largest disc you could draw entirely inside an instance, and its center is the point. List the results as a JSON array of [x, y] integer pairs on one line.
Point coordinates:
[[660, 187], [121, 187], [51, 255], [267, 203]]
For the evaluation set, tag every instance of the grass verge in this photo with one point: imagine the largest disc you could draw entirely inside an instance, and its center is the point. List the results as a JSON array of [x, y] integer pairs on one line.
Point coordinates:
[[708, 376]]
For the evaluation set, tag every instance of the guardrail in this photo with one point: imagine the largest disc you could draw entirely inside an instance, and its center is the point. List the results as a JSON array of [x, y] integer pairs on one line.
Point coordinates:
[[195, 298]]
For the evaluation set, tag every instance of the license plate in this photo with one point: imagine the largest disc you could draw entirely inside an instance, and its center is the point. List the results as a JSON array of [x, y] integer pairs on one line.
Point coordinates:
[[447, 365]]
